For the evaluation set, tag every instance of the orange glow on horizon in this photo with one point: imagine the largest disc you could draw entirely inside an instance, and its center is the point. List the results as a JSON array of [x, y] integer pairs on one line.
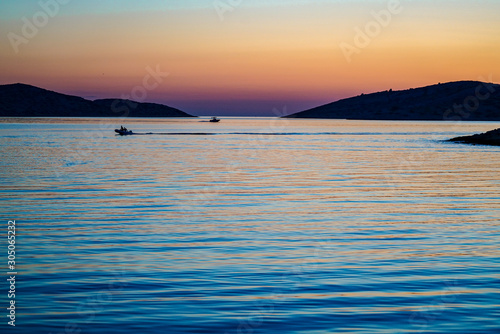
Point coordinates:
[[257, 53]]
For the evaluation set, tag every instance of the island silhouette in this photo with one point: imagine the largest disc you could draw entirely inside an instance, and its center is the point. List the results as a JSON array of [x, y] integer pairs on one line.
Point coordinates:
[[21, 100], [452, 101]]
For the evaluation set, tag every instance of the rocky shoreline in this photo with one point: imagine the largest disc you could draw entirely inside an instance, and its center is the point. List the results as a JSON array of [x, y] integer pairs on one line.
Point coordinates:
[[488, 138]]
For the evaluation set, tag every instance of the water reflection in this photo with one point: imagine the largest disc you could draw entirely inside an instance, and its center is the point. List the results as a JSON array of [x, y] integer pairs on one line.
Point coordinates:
[[354, 227]]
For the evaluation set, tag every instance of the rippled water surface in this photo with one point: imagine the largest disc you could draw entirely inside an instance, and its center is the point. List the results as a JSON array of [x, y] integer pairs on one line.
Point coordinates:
[[251, 226]]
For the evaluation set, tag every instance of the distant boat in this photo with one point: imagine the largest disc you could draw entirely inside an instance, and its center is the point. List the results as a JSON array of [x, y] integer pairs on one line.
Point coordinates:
[[124, 132], [214, 119]]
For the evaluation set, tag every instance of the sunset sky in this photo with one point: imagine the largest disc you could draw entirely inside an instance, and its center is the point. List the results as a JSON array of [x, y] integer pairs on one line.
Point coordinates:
[[247, 57]]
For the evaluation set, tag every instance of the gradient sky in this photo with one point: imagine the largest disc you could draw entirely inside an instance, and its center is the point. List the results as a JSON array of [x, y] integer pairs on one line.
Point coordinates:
[[249, 58]]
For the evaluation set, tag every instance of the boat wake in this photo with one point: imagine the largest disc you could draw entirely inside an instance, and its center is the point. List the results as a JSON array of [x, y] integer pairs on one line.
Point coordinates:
[[263, 133], [234, 133]]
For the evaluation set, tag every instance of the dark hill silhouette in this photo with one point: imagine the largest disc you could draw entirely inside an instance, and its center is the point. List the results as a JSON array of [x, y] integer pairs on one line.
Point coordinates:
[[461, 100], [136, 109], [20, 100]]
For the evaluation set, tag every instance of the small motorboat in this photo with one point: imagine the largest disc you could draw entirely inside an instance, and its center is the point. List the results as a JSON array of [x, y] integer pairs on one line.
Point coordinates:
[[214, 119], [124, 132]]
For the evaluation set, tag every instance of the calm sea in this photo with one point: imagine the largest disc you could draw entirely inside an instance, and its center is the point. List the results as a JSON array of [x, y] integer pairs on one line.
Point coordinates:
[[250, 226]]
